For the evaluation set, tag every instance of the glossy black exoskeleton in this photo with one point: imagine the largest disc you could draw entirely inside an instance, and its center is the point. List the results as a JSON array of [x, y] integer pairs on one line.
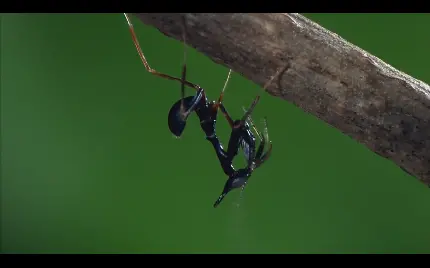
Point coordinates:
[[241, 136]]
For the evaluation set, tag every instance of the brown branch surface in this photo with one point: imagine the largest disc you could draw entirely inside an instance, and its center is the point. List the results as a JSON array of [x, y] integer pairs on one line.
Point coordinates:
[[359, 94]]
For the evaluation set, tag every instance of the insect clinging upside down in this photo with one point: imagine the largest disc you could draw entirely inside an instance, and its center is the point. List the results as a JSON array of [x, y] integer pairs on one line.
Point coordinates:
[[241, 136]]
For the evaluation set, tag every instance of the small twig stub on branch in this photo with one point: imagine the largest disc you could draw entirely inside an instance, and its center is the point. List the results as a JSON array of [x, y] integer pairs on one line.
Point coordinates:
[[359, 94]]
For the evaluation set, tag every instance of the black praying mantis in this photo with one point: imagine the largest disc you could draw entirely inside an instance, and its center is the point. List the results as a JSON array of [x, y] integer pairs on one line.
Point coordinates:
[[241, 136]]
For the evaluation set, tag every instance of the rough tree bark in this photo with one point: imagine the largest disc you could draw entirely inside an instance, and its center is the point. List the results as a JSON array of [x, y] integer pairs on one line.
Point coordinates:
[[359, 94]]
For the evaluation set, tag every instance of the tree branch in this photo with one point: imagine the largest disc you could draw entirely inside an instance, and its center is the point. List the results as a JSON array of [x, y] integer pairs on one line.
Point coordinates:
[[359, 94]]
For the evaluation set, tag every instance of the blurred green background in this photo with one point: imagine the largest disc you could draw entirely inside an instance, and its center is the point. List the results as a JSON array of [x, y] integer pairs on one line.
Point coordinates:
[[89, 165]]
